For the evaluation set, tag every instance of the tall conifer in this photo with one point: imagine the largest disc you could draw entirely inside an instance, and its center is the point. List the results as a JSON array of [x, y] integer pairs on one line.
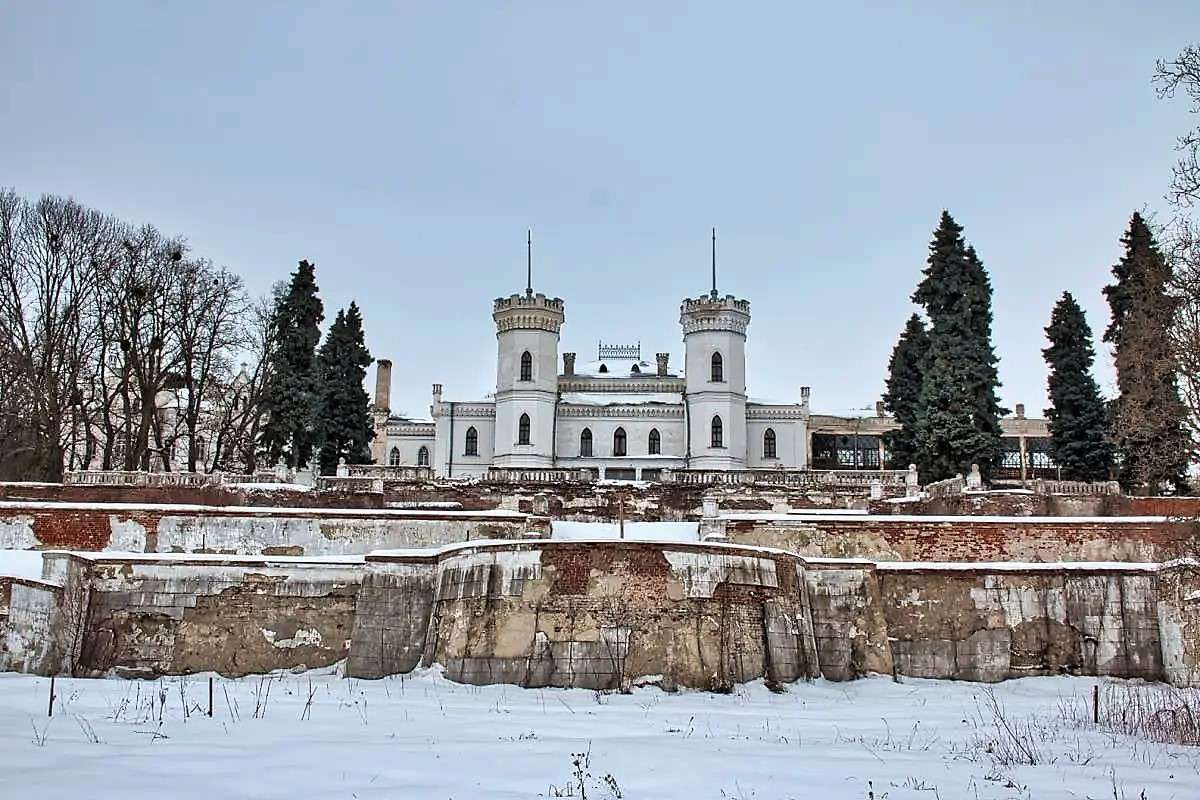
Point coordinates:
[[1148, 424], [1078, 414], [958, 414], [906, 370], [289, 399], [343, 419]]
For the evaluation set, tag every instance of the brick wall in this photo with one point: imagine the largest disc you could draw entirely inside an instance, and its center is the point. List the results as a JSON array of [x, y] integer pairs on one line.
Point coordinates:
[[241, 530], [917, 538]]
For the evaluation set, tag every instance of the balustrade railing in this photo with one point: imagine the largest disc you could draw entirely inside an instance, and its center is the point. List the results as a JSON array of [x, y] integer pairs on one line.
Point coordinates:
[[1076, 488]]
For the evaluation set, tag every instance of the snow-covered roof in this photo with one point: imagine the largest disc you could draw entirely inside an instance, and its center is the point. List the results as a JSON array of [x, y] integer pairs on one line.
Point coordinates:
[[620, 368], [621, 398]]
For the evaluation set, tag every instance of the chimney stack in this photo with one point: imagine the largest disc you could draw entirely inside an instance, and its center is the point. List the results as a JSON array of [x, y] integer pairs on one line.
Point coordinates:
[[662, 359], [383, 385], [568, 364], [1020, 411], [879, 412], [805, 393]]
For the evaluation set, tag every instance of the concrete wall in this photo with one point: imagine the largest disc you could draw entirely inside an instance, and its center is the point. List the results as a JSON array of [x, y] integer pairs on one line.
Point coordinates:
[[148, 617], [989, 625], [152, 528], [27, 611], [1179, 621]]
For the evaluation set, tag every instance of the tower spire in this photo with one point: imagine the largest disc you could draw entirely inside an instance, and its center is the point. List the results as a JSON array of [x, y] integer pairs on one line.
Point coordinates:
[[713, 294], [528, 262]]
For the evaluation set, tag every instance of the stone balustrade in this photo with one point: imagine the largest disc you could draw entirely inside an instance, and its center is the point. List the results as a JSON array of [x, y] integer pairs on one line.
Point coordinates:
[[950, 487], [816, 479], [537, 475], [108, 477], [407, 474], [1076, 488]]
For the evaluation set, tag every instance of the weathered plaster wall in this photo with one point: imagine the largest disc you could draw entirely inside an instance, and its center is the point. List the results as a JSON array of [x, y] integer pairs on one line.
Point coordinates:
[[235, 616], [27, 610], [245, 531], [391, 620], [1179, 621], [989, 625], [920, 538]]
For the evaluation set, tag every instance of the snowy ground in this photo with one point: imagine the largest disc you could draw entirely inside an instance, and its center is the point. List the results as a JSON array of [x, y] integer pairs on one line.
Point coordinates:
[[637, 531], [424, 737]]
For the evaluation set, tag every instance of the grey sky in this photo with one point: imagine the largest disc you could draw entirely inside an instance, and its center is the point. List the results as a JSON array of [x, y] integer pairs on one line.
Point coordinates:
[[405, 148]]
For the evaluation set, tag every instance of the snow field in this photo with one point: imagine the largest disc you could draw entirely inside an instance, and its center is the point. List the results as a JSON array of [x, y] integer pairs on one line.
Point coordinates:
[[420, 736]]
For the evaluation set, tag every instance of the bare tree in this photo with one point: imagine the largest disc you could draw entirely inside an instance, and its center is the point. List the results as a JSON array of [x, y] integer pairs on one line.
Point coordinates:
[[50, 256]]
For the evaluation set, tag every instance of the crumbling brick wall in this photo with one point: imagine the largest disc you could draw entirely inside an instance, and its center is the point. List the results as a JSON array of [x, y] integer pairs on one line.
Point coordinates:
[[917, 538], [991, 624]]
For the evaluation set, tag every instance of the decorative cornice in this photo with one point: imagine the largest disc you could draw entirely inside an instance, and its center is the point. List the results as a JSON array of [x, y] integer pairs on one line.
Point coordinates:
[[577, 383], [617, 411], [468, 409], [417, 429], [754, 411]]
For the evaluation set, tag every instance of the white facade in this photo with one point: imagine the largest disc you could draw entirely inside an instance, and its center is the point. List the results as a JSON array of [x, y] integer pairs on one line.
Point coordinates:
[[620, 416]]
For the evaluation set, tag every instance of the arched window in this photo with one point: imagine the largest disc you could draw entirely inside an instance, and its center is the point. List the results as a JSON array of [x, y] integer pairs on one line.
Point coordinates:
[[523, 430], [394, 457], [769, 450], [655, 446], [718, 438], [423, 456], [585, 443], [526, 366], [718, 369], [472, 442], [619, 442]]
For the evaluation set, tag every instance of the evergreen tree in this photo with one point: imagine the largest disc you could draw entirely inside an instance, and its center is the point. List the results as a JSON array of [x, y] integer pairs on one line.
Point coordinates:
[[1148, 423], [289, 399], [343, 420], [958, 413], [1078, 414], [906, 371]]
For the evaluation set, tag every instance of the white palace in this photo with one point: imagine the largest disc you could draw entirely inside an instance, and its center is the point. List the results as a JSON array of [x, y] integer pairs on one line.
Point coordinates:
[[624, 418]]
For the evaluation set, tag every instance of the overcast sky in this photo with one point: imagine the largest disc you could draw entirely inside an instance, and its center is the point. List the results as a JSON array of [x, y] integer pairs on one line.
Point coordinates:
[[406, 147]]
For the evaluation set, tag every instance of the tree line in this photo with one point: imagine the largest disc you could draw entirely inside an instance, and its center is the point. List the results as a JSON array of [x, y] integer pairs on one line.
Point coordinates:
[[942, 380], [122, 349]]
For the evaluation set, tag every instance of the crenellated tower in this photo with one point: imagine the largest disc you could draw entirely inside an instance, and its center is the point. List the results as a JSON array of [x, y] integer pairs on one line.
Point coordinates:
[[714, 339], [527, 328]]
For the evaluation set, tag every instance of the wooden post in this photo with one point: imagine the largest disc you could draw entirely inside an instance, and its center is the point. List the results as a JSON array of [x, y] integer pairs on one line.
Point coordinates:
[[621, 513], [210, 687], [50, 709], [1096, 704]]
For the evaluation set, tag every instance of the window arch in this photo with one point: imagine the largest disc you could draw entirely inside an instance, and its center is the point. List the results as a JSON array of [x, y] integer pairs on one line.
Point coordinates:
[[526, 366], [655, 444], [585, 443], [718, 368], [769, 449], [394, 457], [523, 430], [718, 432], [472, 448], [619, 442], [423, 456]]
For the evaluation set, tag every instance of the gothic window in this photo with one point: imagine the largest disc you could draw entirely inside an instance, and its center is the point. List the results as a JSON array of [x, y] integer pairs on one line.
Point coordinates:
[[394, 457], [718, 369], [769, 450], [472, 442], [523, 430], [655, 443], [526, 366], [619, 442], [718, 438], [585, 443]]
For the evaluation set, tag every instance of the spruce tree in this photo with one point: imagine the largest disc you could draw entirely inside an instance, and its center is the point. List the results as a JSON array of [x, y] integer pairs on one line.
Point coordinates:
[[1077, 415], [906, 370], [1149, 417], [289, 399], [958, 413], [343, 420]]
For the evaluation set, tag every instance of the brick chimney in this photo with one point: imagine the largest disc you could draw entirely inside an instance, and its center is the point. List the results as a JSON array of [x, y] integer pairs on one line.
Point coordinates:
[[663, 359], [568, 363], [879, 410], [1020, 411], [383, 385]]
